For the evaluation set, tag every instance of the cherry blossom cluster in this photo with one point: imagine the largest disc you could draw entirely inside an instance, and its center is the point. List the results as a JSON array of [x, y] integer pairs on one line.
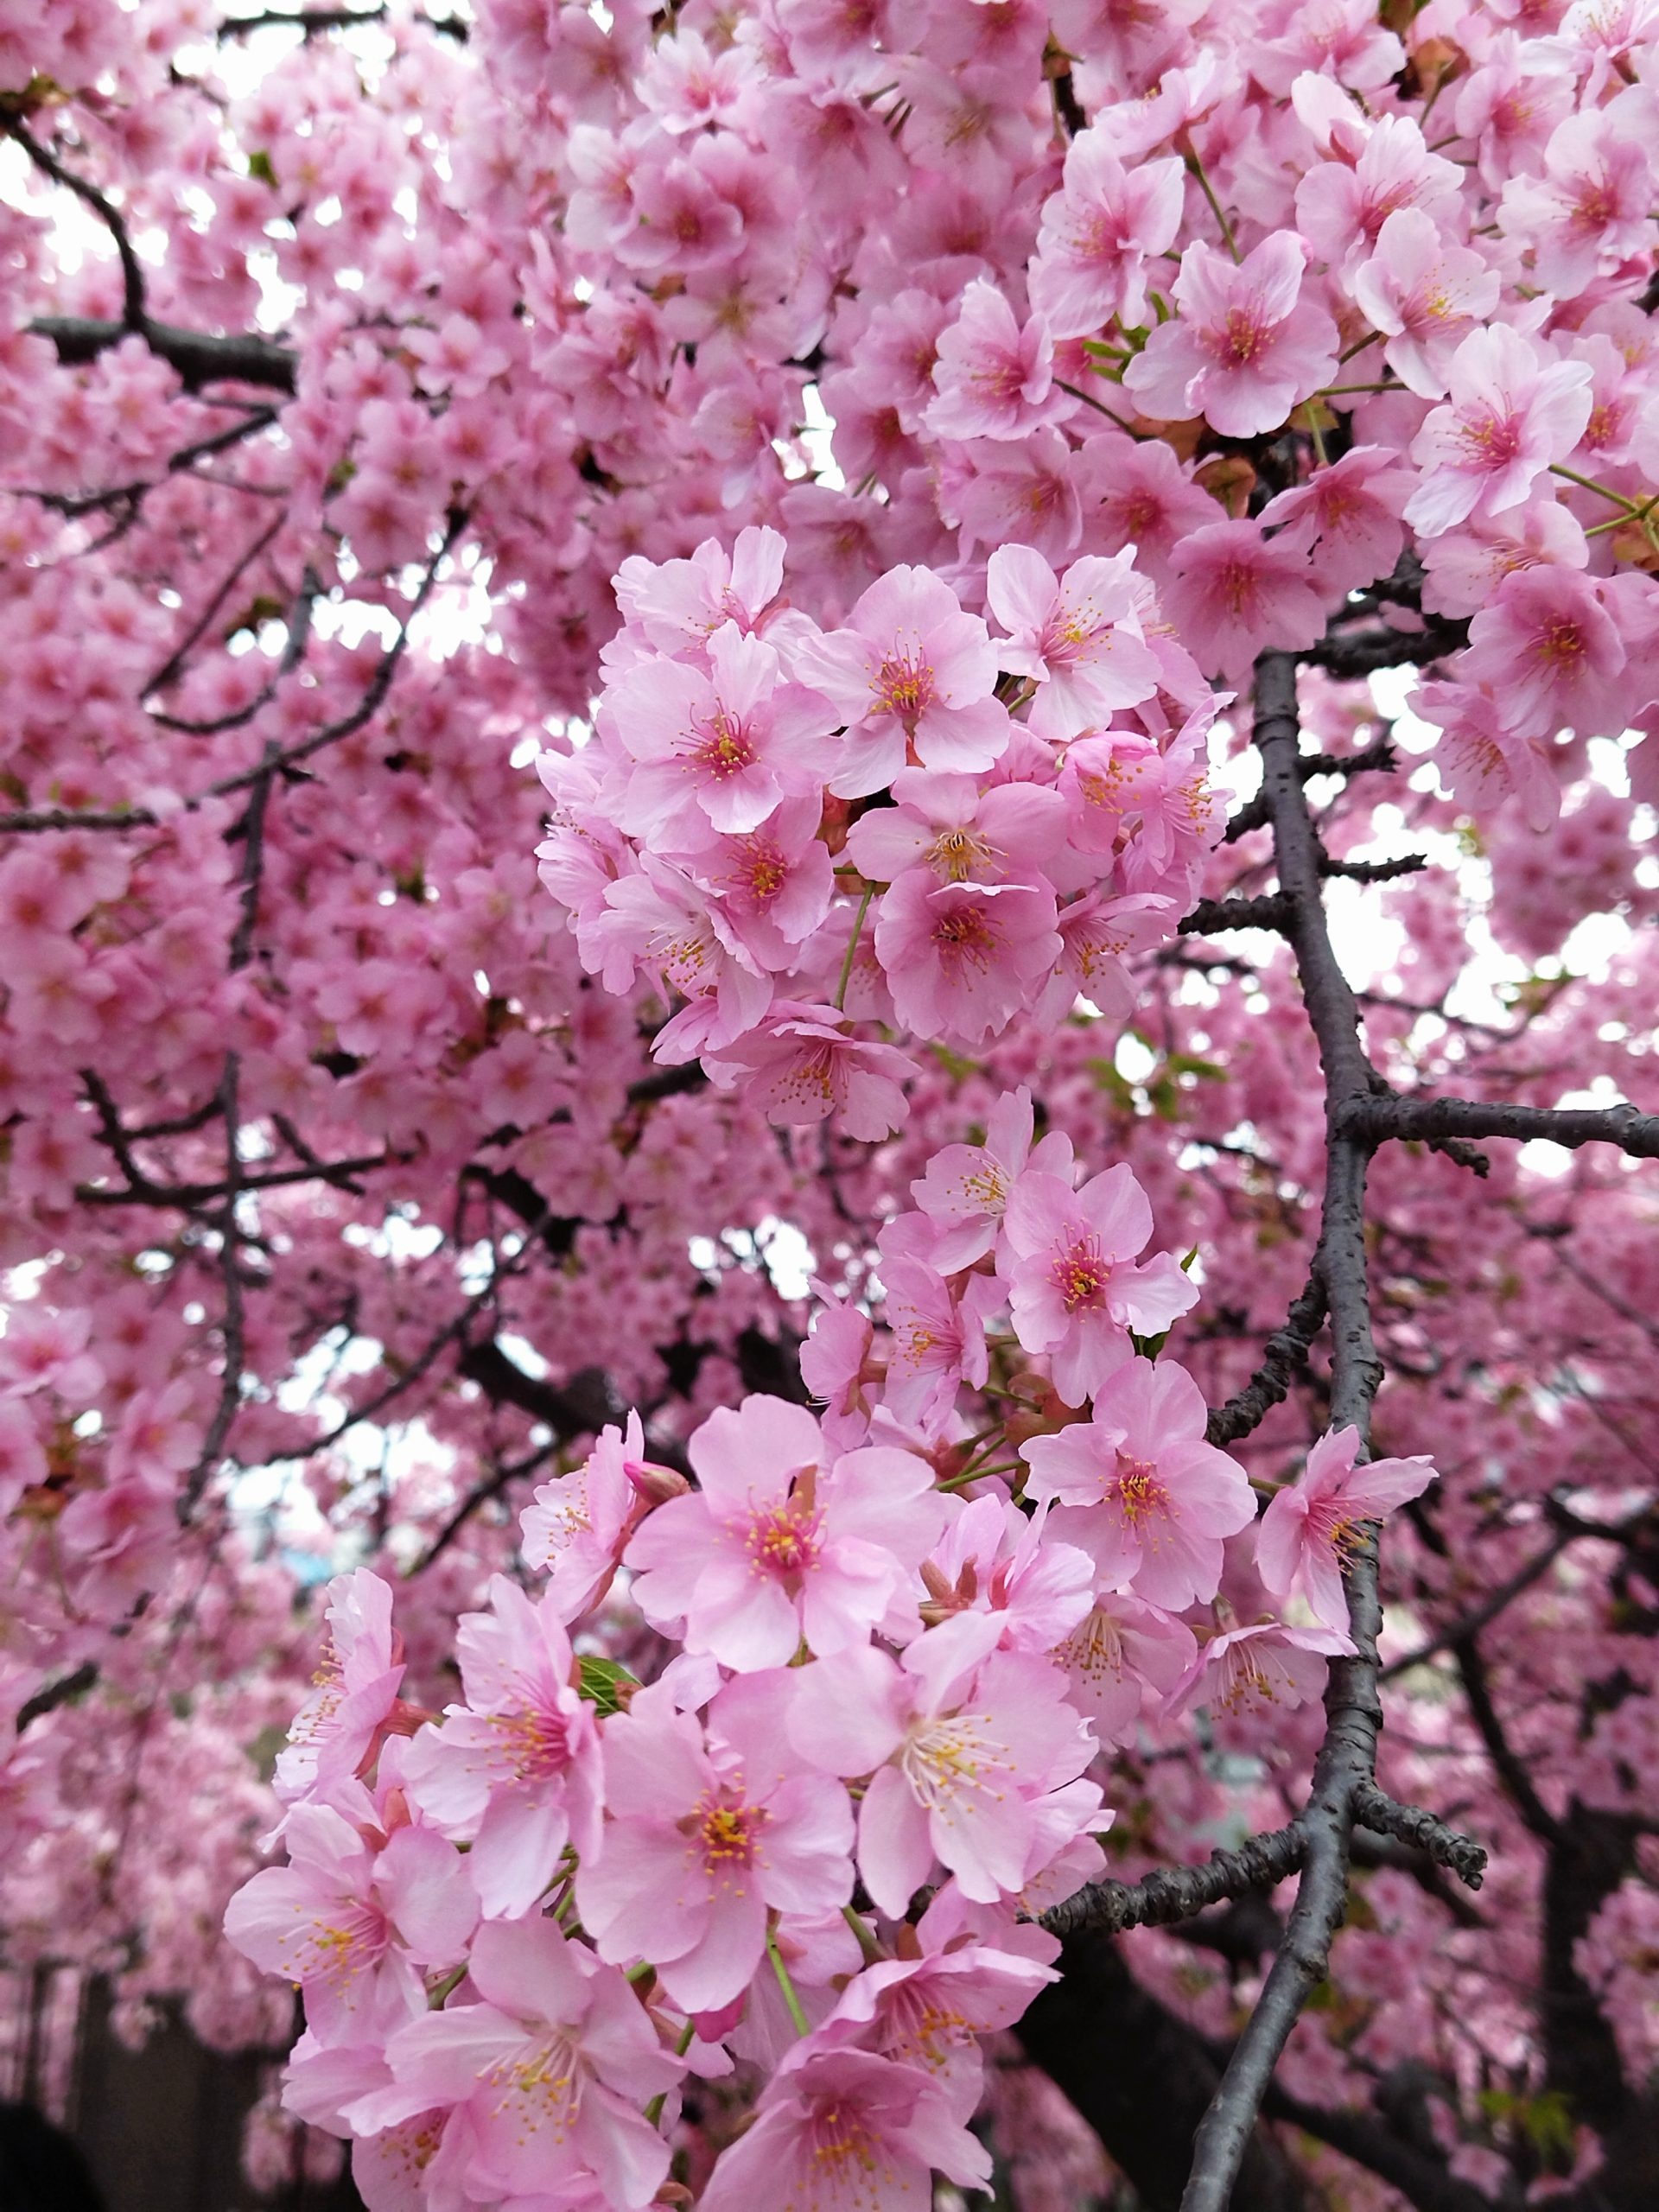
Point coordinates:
[[793, 829], [812, 1848]]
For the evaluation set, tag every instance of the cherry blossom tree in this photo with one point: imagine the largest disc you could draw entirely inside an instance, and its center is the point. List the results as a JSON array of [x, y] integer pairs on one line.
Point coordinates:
[[825, 864]]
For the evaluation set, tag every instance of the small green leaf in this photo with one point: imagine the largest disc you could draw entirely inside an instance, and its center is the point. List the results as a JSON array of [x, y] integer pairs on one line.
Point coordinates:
[[607, 1686]]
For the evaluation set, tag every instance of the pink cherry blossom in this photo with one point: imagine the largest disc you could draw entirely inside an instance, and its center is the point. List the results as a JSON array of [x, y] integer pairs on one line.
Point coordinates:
[[1511, 413], [910, 672], [1097, 233], [801, 1064], [514, 1771], [938, 1341], [1345, 518], [1124, 1659], [1235, 592], [962, 1749], [355, 1689], [1312, 1525], [965, 1189], [849, 2127], [777, 1548], [1549, 651], [1078, 636], [702, 1838], [1074, 1286], [1425, 294], [549, 2068], [959, 829], [1144, 1492], [1247, 347], [1253, 1672], [961, 958], [574, 1527], [994, 379]]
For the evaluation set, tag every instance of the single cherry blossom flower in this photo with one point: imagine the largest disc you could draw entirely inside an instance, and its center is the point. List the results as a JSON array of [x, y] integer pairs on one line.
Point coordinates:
[[514, 1771], [1483, 760], [1234, 594], [1143, 1492], [1124, 1659], [959, 827], [910, 672], [574, 1529], [847, 2127], [728, 745], [1074, 1288], [1078, 637], [1550, 652], [1247, 347], [994, 379], [353, 1690], [677, 606], [1425, 294], [347, 1923], [1311, 1526], [961, 1747], [551, 2068], [1344, 520], [938, 1341], [1511, 413], [1098, 232], [994, 1560], [961, 959], [801, 1064], [965, 1189], [776, 1548], [1249, 1671], [703, 1839]]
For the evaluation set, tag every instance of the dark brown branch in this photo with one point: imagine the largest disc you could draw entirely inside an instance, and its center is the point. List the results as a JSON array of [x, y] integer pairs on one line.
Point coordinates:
[[1375, 1809], [315, 22], [1378, 755], [1364, 653], [1378, 1116], [199, 357], [135, 319], [1269, 912], [50, 1695], [1176, 1893], [1373, 871], [1285, 1351], [1488, 1610], [1510, 1768]]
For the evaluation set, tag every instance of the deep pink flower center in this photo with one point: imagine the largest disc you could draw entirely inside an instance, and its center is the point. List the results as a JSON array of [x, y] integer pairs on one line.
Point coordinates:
[[905, 687], [783, 1540], [1081, 1275], [965, 937], [728, 1832], [534, 1742], [1560, 641], [723, 748], [1491, 439], [1241, 338]]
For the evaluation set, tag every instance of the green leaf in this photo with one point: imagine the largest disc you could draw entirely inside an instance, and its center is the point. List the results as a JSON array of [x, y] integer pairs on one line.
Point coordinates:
[[607, 1686], [259, 165]]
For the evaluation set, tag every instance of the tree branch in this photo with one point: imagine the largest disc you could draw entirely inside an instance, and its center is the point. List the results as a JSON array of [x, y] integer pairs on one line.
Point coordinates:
[[1382, 1115]]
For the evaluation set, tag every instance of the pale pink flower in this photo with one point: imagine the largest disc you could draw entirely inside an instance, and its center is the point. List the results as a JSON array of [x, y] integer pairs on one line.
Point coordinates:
[[658, 917], [1074, 1288], [961, 959], [353, 1690], [1511, 413], [1344, 520], [802, 1064], [838, 1366], [22, 1456], [1550, 654], [1096, 932], [1144, 1493], [703, 1839], [1425, 294], [961, 1748], [847, 2128], [994, 379], [677, 606], [47, 1349], [349, 1924], [1123, 1659], [1483, 761], [1030, 492], [961, 830], [573, 1529], [938, 1341], [1232, 593], [965, 1189], [728, 745], [1342, 205], [1097, 233], [1246, 348], [1138, 496], [1246, 1671], [1590, 211], [1078, 637], [775, 1548], [930, 2012], [1464, 569], [514, 1771], [994, 1560], [1311, 1526], [774, 883], [909, 671], [550, 2069]]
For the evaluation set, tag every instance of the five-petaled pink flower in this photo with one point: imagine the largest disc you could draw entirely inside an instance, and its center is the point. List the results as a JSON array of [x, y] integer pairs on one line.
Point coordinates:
[[1310, 1529], [1141, 1490], [1077, 636], [703, 1839], [965, 1190], [1074, 1290], [1244, 1672], [912, 676], [1247, 347], [1550, 652], [775, 1549], [1097, 233], [514, 1771], [551, 2069], [961, 959], [993, 379], [1511, 413], [847, 2129], [1234, 594], [803, 1064], [1425, 295], [352, 1691]]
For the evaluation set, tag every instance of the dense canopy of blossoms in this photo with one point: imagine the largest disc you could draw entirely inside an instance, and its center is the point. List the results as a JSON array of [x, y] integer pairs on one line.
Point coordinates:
[[673, 1077]]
